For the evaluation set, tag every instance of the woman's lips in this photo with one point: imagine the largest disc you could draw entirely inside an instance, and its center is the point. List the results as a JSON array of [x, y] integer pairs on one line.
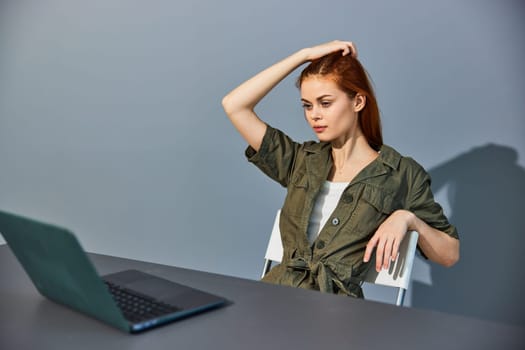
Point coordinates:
[[319, 129]]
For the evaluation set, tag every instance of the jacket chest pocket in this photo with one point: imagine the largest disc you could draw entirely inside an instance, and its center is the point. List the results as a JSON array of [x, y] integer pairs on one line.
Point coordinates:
[[296, 195], [373, 207]]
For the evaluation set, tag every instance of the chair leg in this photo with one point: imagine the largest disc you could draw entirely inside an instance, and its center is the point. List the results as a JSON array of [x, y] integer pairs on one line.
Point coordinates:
[[266, 268], [400, 297]]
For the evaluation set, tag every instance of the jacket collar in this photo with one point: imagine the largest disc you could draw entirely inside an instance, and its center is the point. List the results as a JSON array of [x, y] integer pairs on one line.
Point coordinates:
[[390, 157], [387, 156], [320, 161]]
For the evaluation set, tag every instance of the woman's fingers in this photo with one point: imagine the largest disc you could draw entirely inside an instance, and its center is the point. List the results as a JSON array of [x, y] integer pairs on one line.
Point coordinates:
[[347, 47], [395, 249], [387, 249], [370, 248], [379, 255], [387, 240], [383, 251], [387, 254]]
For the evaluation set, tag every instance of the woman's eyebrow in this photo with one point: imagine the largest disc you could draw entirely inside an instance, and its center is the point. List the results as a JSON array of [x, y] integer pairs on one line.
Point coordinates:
[[318, 98]]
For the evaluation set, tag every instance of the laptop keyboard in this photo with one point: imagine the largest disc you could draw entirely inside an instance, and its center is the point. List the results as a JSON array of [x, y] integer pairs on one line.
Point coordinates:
[[137, 307]]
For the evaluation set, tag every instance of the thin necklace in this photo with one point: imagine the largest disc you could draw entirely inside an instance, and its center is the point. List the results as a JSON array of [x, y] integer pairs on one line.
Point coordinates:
[[340, 169]]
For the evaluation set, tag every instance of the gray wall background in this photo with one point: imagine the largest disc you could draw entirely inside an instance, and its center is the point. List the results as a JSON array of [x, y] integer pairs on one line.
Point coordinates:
[[111, 125]]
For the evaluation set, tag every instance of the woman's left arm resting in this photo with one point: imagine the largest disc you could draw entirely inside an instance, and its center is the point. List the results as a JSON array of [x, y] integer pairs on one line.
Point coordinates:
[[437, 245]]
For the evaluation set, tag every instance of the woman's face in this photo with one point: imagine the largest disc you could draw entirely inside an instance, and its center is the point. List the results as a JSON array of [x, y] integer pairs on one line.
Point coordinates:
[[331, 113]]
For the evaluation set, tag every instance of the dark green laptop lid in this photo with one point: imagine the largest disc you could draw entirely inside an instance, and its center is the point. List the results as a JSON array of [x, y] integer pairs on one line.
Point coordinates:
[[59, 268]]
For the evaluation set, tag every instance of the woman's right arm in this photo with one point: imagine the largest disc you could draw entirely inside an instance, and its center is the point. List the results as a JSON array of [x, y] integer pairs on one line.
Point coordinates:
[[240, 103]]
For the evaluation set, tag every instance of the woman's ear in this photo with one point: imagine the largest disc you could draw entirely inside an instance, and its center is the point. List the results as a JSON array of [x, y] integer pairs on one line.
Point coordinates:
[[359, 102]]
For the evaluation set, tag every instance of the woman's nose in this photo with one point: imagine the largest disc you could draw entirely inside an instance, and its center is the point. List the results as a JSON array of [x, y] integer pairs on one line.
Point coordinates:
[[315, 114]]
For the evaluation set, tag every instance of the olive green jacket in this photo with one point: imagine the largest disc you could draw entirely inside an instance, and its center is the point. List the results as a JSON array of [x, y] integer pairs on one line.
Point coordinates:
[[334, 262]]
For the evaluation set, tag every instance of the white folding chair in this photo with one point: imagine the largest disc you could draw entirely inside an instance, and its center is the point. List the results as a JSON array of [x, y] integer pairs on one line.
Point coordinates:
[[397, 275], [399, 272], [274, 251]]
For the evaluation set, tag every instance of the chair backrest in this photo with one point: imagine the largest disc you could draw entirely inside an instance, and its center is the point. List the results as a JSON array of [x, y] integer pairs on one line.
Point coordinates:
[[397, 275], [399, 272]]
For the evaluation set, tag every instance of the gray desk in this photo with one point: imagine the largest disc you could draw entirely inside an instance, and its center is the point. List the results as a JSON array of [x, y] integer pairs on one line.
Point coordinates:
[[262, 316]]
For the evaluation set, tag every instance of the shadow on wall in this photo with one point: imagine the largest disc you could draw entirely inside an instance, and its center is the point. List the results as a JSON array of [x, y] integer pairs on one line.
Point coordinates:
[[486, 189]]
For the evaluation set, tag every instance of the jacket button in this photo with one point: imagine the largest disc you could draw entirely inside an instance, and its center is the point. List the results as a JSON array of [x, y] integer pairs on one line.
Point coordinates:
[[335, 221], [348, 198], [320, 245]]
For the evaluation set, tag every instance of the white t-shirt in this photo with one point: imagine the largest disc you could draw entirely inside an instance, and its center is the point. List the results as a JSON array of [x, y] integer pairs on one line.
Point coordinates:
[[324, 206]]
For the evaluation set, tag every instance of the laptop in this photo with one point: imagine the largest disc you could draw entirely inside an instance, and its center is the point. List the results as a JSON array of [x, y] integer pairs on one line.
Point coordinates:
[[130, 300]]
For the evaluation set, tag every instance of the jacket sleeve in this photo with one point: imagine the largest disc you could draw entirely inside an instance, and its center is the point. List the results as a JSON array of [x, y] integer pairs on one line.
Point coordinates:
[[276, 156], [422, 203]]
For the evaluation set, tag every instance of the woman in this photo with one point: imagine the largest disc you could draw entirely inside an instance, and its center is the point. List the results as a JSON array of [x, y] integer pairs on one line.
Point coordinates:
[[349, 196]]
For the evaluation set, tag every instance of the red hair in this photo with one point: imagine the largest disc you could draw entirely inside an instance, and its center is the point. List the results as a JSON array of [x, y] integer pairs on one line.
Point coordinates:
[[351, 77]]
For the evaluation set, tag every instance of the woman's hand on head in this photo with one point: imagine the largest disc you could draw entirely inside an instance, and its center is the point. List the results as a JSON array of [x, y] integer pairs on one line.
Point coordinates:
[[347, 47], [387, 239]]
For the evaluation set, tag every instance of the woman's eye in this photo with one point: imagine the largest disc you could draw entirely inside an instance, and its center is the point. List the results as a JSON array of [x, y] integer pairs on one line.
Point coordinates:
[[306, 106], [326, 104]]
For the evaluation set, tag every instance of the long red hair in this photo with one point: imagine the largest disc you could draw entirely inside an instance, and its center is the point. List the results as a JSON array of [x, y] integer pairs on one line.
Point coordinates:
[[352, 78]]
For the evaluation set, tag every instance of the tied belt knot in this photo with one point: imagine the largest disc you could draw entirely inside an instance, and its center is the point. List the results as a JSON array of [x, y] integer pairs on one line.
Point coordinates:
[[329, 276]]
